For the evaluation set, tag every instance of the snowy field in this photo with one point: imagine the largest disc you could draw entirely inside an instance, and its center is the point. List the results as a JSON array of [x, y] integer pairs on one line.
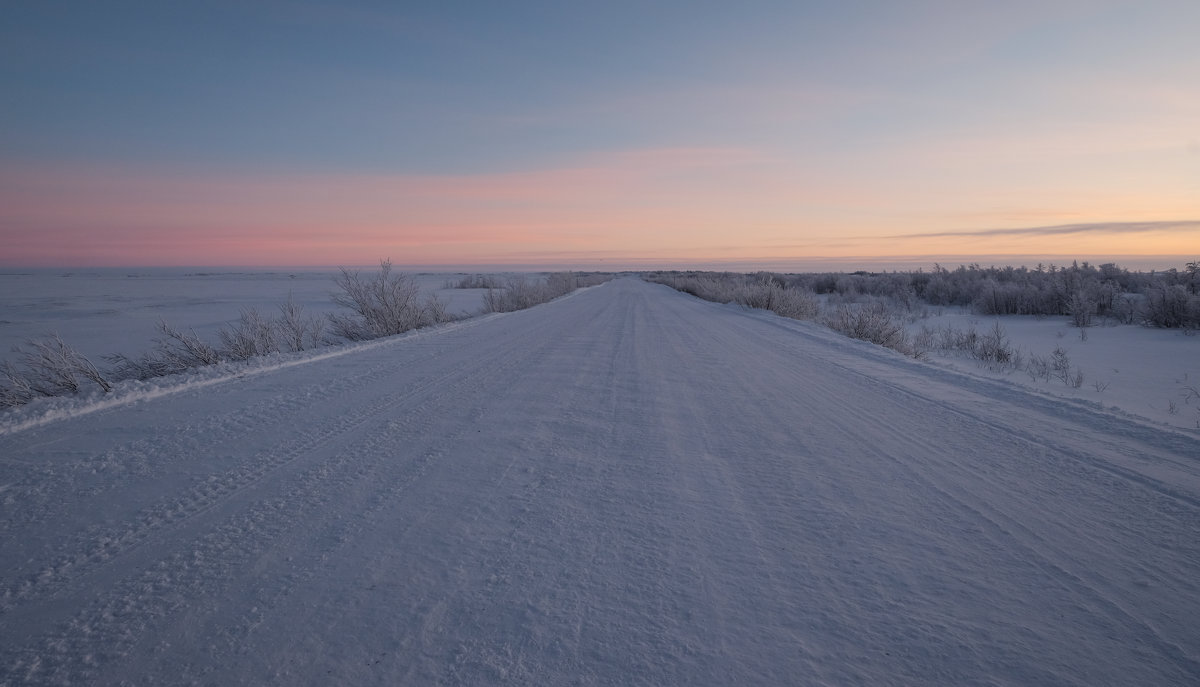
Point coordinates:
[[1151, 373], [627, 485], [105, 311]]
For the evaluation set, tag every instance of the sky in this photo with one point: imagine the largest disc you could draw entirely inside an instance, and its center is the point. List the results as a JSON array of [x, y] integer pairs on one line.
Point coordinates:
[[620, 135]]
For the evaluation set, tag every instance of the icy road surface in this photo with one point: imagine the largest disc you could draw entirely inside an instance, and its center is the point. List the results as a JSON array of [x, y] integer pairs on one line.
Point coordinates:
[[625, 486]]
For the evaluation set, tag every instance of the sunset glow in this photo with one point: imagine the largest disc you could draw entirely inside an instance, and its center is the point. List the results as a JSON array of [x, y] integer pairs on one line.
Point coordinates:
[[758, 139]]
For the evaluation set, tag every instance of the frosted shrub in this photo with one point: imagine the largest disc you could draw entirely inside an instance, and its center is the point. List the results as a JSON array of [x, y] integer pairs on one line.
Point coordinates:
[[49, 367], [764, 291], [1038, 368], [475, 281], [586, 279], [1060, 365], [1081, 308], [872, 322], [924, 340], [798, 304], [1125, 308], [433, 310], [174, 352], [349, 327], [761, 294], [1001, 299], [1170, 306], [520, 292], [769, 294], [1060, 362], [559, 284], [994, 350], [382, 304], [715, 288], [252, 336], [15, 389], [960, 340], [298, 331]]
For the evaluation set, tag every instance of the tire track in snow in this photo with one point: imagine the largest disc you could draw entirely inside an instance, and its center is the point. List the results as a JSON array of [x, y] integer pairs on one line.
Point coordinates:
[[1043, 416], [1005, 526], [494, 480], [927, 478], [1008, 521], [425, 433], [176, 513], [101, 546], [137, 457]]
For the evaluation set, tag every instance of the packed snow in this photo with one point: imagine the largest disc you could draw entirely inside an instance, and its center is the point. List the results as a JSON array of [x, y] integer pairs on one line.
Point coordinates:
[[627, 485]]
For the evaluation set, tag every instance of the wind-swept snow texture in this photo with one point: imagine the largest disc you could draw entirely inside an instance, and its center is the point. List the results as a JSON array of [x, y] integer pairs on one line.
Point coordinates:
[[624, 486]]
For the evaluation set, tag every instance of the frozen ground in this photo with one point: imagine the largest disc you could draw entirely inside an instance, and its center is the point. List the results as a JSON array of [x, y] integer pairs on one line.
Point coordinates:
[[105, 311], [624, 486], [1151, 373]]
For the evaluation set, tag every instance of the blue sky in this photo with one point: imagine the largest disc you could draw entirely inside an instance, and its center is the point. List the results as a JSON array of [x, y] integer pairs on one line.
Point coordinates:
[[798, 129]]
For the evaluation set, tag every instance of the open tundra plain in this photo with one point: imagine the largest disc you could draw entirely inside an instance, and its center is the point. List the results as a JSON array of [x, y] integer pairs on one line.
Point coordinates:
[[626, 485]]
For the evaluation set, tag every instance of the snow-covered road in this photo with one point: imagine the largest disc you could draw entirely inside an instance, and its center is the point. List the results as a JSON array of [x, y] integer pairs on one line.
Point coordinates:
[[625, 486]]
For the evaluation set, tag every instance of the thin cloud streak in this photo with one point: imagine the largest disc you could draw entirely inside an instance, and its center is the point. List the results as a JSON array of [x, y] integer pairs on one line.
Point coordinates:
[[1061, 229]]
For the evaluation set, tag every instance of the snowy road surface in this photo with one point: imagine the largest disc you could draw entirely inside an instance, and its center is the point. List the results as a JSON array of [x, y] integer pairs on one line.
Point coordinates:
[[625, 486]]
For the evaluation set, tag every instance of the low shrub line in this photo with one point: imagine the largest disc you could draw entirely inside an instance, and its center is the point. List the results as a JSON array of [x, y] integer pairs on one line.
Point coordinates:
[[383, 303], [872, 321], [880, 315]]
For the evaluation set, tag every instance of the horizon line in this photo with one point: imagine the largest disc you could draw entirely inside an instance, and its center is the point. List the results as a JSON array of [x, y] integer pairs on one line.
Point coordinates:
[[1152, 262]]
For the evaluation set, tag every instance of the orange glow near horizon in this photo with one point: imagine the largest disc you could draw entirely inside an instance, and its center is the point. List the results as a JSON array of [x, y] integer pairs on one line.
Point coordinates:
[[675, 205]]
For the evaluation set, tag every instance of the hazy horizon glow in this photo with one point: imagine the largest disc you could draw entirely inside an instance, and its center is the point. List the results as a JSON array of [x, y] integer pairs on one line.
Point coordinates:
[[312, 133]]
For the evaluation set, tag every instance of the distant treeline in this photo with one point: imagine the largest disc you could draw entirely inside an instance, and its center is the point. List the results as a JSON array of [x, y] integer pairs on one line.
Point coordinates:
[[1082, 292]]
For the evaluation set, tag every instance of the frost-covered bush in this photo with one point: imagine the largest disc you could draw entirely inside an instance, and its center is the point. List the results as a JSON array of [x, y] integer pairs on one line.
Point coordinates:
[[872, 322], [298, 331], [521, 292], [1081, 307], [995, 351], [476, 281], [767, 293], [47, 367], [517, 294], [253, 335], [1125, 308], [1038, 368], [435, 310], [382, 304], [718, 288], [1170, 306], [15, 389], [798, 304], [1060, 368], [763, 290], [991, 349], [175, 351]]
